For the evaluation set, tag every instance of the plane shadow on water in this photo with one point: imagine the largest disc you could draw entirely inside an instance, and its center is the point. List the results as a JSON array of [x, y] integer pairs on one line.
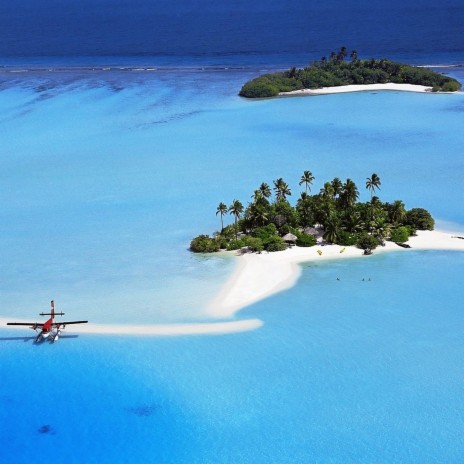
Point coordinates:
[[33, 339]]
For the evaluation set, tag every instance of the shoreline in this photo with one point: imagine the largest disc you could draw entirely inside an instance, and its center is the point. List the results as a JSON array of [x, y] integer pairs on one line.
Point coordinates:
[[259, 276], [359, 88]]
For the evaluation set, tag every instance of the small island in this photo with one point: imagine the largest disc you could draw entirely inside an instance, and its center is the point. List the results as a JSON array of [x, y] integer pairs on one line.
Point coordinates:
[[337, 71], [332, 216]]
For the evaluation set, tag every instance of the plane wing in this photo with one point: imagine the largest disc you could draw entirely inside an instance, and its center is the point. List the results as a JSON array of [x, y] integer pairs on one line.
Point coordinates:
[[70, 322], [30, 324]]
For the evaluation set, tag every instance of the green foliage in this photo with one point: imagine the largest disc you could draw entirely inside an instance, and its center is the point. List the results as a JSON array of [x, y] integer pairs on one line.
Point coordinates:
[[254, 244], [338, 72], [344, 220], [274, 243], [420, 219], [204, 244], [265, 232], [451, 86], [367, 242], [269, 85], [305, 240], [228, 232], [400, 235], [236, 244], [347, 238]]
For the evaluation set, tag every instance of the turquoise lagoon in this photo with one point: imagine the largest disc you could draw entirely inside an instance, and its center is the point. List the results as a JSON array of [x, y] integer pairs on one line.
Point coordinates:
[[106, 176]]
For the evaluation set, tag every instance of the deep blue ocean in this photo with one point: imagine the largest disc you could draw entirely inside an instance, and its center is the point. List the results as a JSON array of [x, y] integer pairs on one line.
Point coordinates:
[[120, 132]]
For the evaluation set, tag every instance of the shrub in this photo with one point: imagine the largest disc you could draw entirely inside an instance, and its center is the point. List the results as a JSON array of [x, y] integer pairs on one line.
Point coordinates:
[[347, 238], [265, 232], [236, 244], [451, 86], [259, 88], [254, 244], [420, 219], [400, 235], [367, 242], [274, 243], [204, 244], [305, 240]]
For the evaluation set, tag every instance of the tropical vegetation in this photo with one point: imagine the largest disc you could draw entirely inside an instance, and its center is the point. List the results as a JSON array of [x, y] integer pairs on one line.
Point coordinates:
[[339, 70], [334, 215]]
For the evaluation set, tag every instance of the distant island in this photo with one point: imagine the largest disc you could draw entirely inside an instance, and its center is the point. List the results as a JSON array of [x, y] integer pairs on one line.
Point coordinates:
[[337, 70], [333, 215]]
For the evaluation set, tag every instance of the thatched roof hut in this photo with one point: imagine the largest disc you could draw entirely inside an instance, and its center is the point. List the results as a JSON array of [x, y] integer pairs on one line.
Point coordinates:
[[290, 238]]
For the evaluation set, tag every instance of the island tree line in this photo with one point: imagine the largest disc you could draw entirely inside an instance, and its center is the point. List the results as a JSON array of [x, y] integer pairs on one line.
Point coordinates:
[[334, 214], [343, 68]]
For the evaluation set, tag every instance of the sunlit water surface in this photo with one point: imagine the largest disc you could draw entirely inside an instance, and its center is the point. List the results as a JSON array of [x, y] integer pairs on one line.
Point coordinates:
[[105, 178]]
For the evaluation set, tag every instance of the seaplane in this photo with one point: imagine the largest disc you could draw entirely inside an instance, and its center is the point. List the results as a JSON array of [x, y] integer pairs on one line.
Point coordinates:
[[50, 330]]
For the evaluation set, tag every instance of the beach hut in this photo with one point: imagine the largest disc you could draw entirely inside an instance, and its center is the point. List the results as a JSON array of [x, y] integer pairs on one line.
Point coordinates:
[[290, 239]]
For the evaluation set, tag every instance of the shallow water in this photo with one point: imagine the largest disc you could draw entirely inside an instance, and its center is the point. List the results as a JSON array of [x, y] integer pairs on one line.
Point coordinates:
[[342, 371], [104, 179]]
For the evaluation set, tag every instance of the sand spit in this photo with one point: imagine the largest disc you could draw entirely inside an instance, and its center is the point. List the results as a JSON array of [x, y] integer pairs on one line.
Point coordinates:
[[258, 276], [161, 330]]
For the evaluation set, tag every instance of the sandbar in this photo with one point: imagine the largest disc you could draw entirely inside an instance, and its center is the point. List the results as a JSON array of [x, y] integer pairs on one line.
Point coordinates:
[[359, 88], [206, 328], [258, 276]]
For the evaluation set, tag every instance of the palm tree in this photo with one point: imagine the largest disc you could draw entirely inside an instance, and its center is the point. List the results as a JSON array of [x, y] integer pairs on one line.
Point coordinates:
[[236, 208], [349, 194], [373, 183], [327, 192], [331, 229], [265, 190], [281, 189], [257, 196], [353, 221], [380, 229], [307, 179], [337, 186], [397, 212], [222, 210]]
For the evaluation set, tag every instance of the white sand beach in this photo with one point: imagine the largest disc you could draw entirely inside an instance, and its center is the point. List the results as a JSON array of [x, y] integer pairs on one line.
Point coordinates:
[[258, 276], [358, 88]]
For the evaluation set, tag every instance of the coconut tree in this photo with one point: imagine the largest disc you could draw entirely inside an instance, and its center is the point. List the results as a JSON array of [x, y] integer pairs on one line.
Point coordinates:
[[222, 210], [257, 196], [380, 229], [307, 179], [236, 209], [281, 189], [397, 213], [304, 208], [352, 221], [332, 229], [373, 183], [337, 186], [349, 194], [265, 190]]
